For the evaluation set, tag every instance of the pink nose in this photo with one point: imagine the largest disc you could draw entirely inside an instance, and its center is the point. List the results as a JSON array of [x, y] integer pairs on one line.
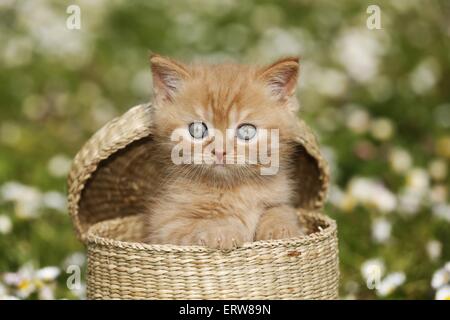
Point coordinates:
[[220, 154]]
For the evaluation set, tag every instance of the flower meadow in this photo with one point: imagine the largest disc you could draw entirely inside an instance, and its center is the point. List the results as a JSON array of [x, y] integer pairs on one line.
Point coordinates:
[[378, 99]]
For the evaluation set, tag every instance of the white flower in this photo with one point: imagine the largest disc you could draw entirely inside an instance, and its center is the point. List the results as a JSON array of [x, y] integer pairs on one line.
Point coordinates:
[[425, 76], [400, 160], [14, 278], [27, 281], [372, 194], [358, 120], [372, 268], [55, 200], [59, 165], [442, 211], [361, 188], [447, 266], [418, 180], [5, 224], [15, 191], [48, 273], [358, 50], [25, 288], [46, 292], [443, 293], [47, 28], [22, 281], [434, 249], [11, 279], [381, 230], [336, 195], [27, 199], [386, 200], [8, 297], [382, 129], [438, 169], [409, 201], [390, 283], [440, 278]]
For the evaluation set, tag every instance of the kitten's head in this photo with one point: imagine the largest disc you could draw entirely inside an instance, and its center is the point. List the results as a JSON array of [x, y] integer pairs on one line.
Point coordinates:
[[225, 123]]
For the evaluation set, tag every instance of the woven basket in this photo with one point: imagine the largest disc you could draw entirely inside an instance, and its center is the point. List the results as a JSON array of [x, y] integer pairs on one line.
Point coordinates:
[[110, 176]]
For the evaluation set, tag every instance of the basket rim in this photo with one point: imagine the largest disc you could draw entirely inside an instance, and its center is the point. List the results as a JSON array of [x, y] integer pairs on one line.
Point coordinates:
[[325, 233]]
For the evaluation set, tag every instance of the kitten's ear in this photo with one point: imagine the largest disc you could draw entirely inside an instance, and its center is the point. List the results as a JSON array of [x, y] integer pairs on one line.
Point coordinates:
[[281, 77], [168, 76]]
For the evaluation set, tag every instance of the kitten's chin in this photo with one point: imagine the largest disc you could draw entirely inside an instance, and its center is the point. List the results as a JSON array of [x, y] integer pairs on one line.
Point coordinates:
[[218, 171], [220, 167], [231, 174]]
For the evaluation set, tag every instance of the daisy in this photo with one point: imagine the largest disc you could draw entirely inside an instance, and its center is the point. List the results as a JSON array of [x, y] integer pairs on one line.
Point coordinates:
[[391, 282], [443, 293]]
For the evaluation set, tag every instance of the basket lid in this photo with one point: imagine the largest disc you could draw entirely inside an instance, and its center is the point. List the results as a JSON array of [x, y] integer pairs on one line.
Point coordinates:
[[110, 174]]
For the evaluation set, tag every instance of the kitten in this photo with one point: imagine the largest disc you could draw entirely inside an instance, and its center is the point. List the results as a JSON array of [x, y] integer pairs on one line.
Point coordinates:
[[214, 201]]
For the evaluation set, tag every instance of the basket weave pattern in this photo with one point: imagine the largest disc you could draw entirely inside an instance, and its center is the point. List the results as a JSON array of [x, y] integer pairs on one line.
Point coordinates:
[[302, 268]]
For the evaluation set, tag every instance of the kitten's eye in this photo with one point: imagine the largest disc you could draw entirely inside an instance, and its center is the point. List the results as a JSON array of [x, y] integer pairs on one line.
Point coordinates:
[[198, 130], [246, 131]]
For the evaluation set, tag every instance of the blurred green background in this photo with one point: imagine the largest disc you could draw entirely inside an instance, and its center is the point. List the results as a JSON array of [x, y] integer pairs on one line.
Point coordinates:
[[379, 101]]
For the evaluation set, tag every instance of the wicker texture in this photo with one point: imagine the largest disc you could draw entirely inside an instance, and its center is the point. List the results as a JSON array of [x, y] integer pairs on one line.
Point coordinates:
[[109, 178], [303, 268]]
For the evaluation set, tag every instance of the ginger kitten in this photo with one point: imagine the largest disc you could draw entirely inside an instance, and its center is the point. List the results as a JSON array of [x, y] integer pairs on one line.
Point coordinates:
[[219, 195]]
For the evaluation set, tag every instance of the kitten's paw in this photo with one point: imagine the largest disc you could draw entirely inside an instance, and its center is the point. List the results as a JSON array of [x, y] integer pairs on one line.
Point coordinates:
[[278, 231], [279, 223], [223, 237]]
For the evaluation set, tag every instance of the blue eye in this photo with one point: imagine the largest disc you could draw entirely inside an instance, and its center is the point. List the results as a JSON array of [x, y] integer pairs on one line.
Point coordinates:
[[246, 131], [198, 130]]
